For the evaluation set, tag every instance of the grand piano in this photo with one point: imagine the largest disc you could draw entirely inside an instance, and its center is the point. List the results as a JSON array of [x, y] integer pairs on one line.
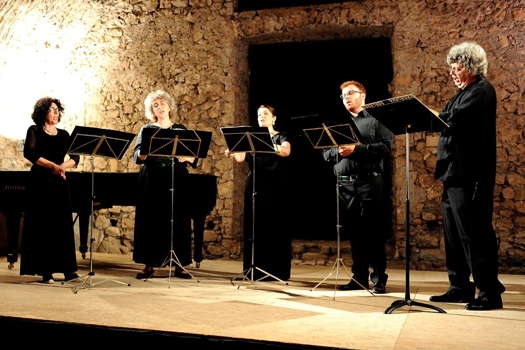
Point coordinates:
[[110, 189]]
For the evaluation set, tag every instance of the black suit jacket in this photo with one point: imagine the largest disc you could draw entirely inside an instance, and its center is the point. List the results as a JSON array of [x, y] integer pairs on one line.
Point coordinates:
[[467, 148]]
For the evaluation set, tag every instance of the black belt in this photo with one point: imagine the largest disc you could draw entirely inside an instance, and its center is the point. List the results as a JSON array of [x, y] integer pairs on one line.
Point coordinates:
[[358, 177]]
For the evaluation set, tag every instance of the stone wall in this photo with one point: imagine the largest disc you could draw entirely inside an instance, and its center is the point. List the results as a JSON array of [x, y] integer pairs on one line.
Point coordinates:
[[105, 56]]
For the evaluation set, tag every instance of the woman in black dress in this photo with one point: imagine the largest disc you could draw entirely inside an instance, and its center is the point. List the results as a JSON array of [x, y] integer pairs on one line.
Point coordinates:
[[154, 200], [272, 235], [48, 242]]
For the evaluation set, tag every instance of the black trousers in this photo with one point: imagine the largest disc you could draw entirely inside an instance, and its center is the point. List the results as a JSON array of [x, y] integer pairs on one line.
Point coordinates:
[[363, 219], [470, 241]]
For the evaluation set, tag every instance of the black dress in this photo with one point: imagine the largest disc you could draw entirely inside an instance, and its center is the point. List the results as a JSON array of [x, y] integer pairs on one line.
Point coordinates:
[[153, 214], [272, 232], [48, 242]]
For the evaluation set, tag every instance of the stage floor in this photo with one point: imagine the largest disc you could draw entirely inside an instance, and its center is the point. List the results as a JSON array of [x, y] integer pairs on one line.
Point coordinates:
[[268, 311]]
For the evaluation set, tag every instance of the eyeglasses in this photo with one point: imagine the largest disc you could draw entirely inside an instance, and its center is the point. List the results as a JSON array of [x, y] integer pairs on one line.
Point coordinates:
[[350, 93], [53, 109]]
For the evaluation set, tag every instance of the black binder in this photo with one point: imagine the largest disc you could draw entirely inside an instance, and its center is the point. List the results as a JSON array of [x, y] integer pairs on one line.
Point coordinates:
[[106, 143], [169, 143], [405, 114]]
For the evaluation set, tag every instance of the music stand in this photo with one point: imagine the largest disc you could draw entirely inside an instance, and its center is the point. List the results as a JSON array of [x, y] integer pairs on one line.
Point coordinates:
[[333, 136], [404, 115], [91, 142], [174, 143], [250, 140]]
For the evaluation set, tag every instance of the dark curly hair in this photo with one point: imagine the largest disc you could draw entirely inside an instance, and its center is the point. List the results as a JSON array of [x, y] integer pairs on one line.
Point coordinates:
[[41, 109]]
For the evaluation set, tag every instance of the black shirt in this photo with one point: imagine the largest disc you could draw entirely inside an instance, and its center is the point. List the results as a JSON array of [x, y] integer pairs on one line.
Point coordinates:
[[367, 157], [467, 148]]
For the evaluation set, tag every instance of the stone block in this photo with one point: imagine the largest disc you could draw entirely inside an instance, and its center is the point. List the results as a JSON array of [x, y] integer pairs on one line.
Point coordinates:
[[113, 231], [216, 250], [210, 236], [101, 222], [110, 245]]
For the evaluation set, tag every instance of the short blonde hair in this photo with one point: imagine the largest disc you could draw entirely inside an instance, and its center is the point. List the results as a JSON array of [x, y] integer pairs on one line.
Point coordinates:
[[154, 95]]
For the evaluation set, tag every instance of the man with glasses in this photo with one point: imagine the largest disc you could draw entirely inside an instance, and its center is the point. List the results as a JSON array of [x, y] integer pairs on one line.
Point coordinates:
[[359, 169]]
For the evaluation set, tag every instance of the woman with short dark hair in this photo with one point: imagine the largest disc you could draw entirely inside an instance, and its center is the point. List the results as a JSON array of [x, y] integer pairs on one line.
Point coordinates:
[[48, 243], [272, 243]]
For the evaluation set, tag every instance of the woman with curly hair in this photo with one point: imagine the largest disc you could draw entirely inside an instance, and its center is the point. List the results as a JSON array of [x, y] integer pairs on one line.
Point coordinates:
[[48, 243], [153, 214]]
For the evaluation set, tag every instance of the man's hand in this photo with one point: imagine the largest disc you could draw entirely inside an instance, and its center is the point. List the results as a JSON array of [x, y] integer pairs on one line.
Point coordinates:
[[346, 150]]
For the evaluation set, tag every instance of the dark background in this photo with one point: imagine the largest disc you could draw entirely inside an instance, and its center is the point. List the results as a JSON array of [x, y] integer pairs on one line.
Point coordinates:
[[301, 81], [249, 5]]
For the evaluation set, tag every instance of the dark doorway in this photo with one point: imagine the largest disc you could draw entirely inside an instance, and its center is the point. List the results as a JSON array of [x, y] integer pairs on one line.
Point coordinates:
[[301, 80], [250, 5]]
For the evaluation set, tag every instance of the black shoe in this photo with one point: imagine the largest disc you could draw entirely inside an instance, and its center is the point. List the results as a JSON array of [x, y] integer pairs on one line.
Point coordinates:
[[180, 273], [355, 284], [455, 295], [144, 275], [379, 283], [485, 303], [47, 278], [68, 276]]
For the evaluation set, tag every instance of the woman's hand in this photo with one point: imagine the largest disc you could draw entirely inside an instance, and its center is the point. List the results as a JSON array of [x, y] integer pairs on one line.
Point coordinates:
[[186, 159], [237, 156], [284, 149], [58, 170]]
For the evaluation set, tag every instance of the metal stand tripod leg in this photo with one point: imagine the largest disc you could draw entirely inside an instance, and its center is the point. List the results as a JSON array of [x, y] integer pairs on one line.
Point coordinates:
[[172, 257], [251, 270], [87, 281], [339, 260], [408, 302]]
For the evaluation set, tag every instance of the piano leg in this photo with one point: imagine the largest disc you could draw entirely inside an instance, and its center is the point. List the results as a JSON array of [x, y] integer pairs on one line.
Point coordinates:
[[83, 225], [13, 223]]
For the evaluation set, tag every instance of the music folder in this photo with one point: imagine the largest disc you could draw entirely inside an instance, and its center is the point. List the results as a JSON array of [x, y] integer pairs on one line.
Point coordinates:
[[161, 142], [248, 139], [404, 114], [92, 141]]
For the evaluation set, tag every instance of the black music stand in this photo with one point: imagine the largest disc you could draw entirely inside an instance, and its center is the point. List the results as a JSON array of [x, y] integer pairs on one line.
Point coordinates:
[[91, 142], [253, 140], [404, 115], [174, 143], [332, 136]]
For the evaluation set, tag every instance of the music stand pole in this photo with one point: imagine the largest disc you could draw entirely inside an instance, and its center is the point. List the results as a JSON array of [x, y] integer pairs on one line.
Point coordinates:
[[407, 301], [251, 270], [339, 260], [92, 207], [173, 143], [90, 141], [87, 281], [172, 256], [254, 193]]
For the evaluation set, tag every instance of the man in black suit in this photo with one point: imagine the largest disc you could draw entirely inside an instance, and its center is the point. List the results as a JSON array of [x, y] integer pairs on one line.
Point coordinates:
[[466, 164]]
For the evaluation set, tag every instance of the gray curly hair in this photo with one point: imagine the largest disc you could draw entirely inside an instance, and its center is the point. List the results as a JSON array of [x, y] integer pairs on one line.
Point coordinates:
[[154, 95], [471, 56]]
